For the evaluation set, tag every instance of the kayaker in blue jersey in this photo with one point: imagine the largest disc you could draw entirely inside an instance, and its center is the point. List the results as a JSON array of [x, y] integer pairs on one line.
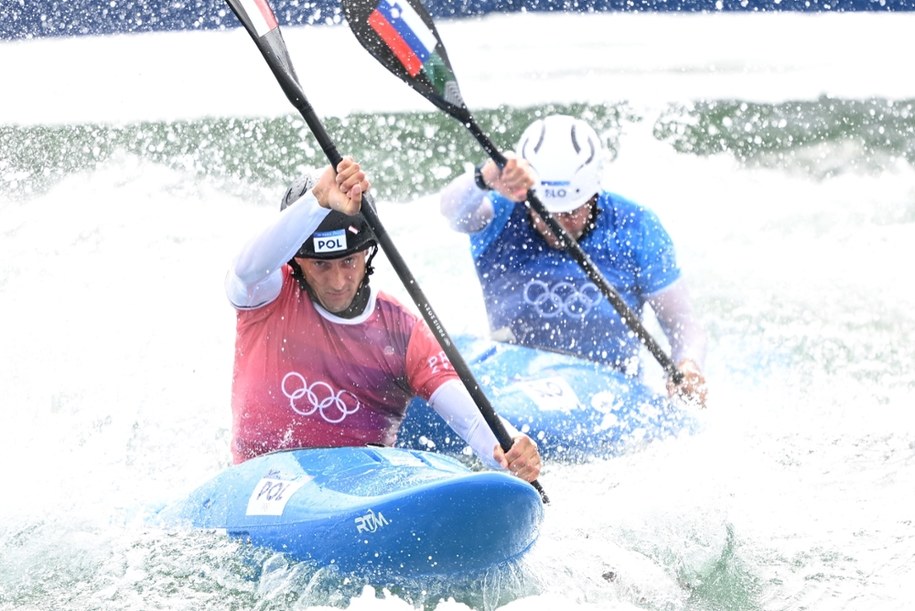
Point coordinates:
[[537, 294]]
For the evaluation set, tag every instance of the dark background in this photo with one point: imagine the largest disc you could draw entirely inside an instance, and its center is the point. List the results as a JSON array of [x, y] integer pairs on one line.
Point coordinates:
[[21, 19]]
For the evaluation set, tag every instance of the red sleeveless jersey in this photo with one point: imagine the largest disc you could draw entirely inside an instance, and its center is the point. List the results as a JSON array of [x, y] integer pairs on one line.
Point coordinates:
[[302, 380]]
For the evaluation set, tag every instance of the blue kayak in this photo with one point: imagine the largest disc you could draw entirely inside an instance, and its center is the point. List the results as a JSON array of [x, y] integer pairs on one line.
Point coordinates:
[[575, 409], [386, 512]]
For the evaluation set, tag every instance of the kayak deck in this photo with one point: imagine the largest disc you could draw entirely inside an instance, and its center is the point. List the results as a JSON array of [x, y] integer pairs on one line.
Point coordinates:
[[575, 409], [385, 511]]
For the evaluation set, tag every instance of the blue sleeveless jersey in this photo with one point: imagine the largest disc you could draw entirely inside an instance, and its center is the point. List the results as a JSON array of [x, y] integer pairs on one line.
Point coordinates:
[[545, 298]]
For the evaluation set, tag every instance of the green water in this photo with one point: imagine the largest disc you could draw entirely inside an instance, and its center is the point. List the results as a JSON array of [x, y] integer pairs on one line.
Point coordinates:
[[418, 153]]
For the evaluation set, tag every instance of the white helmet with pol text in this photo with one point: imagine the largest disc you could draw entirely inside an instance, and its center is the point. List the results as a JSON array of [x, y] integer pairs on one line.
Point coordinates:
[[566, 154]]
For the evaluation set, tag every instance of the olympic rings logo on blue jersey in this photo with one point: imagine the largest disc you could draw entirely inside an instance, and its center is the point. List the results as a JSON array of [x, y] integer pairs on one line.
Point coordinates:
[[561, 298], [334, 406]]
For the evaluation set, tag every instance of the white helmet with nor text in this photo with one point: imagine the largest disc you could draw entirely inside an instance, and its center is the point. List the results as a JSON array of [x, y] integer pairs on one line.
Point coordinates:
[[566, 154]]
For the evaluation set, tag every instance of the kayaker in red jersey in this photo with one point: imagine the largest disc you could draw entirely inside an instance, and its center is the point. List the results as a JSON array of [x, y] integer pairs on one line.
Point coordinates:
[[324, 359]]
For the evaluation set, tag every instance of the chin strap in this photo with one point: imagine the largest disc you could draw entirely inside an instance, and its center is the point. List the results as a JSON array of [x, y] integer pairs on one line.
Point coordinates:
[[360, 300]]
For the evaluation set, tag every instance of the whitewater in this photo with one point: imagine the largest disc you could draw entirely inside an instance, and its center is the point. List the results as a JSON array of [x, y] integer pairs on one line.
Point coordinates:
[[797, 492]]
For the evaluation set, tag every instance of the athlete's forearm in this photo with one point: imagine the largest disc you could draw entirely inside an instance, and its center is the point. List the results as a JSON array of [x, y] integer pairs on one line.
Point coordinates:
[[455, 405], [254, 277], [674, 311], [465, 205]]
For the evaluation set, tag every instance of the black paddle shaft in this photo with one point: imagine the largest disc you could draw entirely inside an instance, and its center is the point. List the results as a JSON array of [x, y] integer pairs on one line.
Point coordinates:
[[405, 41], [273, 48]]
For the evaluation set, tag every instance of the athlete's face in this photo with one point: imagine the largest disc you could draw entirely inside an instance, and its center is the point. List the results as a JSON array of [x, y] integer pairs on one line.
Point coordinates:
[[573, 222], [334, 281]]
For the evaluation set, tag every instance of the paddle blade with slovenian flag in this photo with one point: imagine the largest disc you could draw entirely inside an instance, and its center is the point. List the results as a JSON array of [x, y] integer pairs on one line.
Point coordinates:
[[400, 34]]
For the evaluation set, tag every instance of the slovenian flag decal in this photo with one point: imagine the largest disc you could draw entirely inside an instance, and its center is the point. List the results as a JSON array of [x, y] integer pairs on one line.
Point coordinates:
[[410, 40], [259, 14]]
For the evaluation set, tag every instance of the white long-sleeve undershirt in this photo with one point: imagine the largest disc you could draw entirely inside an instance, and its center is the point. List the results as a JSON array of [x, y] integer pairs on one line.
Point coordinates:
[[673, 308], [454, 404], [254, 278], [466, 207]]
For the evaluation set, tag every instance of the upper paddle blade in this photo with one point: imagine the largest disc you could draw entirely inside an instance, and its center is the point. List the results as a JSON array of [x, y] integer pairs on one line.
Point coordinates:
[[400, 34], [258, 18], [256, 15]]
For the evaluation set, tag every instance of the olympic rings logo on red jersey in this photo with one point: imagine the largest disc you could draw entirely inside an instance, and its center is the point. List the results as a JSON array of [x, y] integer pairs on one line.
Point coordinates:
[[305, 399], [561, 298]]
